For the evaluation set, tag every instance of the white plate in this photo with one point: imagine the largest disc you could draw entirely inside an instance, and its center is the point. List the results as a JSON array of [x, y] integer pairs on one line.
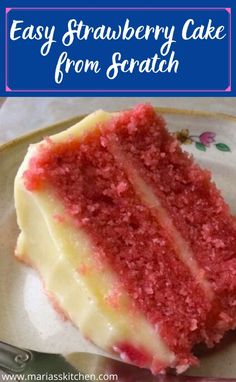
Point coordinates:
[[27, 319]]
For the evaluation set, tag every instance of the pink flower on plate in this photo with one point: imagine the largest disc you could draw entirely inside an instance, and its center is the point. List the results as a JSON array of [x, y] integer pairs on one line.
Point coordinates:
[[207, 138]]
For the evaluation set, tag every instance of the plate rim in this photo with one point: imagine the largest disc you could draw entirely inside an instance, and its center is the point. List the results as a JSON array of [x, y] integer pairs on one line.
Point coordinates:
[[165, 110]]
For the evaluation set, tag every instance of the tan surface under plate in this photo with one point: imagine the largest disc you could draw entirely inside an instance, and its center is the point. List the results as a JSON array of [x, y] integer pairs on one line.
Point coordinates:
[[31, 323]]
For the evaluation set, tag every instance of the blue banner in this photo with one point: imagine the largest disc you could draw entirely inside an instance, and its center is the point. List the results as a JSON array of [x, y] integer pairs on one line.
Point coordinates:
[[118, 51]]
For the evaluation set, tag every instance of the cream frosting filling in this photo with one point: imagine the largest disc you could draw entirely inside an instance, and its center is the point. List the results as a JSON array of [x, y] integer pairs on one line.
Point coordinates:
[[58, 250], [150, 199]]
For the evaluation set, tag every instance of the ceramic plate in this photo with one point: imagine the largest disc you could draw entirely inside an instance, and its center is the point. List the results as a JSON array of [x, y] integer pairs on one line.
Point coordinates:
[[26, 317]]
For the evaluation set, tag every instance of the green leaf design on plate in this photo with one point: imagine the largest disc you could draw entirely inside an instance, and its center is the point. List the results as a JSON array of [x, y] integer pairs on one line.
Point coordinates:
[[200, 146], [222, 147]]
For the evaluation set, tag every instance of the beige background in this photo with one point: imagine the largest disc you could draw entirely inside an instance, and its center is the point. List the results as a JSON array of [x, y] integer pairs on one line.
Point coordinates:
[[21, 115]]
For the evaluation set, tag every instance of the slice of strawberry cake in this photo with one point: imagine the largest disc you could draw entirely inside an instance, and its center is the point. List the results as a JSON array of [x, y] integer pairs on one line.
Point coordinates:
[[131, 237]]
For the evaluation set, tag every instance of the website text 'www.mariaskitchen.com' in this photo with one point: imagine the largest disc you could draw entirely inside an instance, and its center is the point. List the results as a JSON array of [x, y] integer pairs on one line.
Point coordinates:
[[59, 377]]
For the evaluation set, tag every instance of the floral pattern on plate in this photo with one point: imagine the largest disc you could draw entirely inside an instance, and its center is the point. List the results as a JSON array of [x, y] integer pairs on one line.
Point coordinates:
[[202, 141]]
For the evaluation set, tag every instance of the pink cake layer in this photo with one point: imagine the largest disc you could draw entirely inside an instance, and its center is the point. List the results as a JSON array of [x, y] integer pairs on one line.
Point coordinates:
[[97, 192], [191, 199]]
